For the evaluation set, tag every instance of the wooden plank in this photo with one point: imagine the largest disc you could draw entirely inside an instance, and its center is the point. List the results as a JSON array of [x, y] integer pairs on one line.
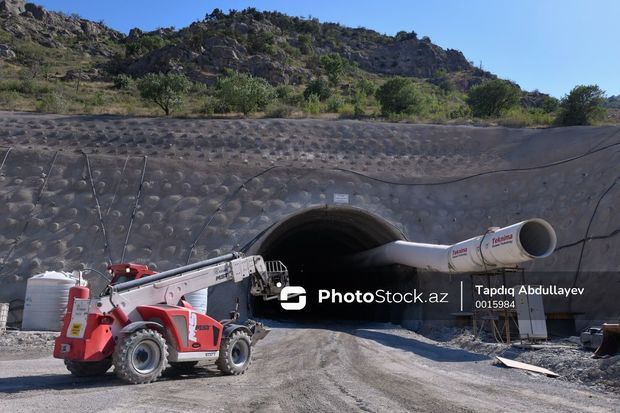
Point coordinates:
[[524, 366]]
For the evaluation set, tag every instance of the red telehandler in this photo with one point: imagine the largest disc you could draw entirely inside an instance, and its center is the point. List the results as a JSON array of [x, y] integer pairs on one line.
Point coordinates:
[[141, 322]]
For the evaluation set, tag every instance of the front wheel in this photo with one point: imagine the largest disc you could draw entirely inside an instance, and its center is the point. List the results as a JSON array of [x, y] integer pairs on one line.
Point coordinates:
[[88, 368], [140, 357], [235, 353]]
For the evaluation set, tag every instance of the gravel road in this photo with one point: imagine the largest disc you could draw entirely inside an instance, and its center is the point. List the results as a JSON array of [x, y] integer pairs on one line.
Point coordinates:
[[370, 368]]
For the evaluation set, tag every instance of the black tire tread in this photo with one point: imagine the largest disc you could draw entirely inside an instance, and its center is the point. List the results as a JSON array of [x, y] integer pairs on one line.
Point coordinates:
[[88, 368], [224, 362], [121, 355]]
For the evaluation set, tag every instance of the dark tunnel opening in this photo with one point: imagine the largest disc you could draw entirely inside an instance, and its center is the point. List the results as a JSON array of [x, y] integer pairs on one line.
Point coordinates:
[[312, 245]]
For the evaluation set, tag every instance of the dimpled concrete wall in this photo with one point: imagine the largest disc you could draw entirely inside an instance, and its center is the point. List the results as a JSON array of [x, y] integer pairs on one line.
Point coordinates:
[[216, 184]]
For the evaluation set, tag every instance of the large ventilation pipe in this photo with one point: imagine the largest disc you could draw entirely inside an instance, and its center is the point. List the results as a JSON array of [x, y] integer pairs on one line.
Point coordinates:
[[498, 248]]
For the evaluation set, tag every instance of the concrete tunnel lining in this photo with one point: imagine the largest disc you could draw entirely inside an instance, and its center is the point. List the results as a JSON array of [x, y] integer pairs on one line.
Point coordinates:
[[310, 243]]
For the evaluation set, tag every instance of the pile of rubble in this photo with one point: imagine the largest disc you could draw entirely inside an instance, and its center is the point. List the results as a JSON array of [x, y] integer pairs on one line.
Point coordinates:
[[13, 342], [565, 357]]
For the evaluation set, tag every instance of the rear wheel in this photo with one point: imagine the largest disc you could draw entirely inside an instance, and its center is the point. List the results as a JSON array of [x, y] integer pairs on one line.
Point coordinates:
[[235, 353], [88, 368], [140, 357]]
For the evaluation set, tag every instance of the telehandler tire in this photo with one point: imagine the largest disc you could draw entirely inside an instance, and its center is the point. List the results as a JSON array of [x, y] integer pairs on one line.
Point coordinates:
[[140, 357], [88, 368], [235, 353]]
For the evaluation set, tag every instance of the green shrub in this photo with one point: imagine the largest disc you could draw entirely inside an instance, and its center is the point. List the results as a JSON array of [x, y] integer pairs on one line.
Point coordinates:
[[366, 87], [443, 81], [318, 87], [462, 111], [312, 105], [334, 103], [360, 99], [144, 45], [279, 110], [399, 95], [25, 86], [122, 82], [165, 90], [98, 99], [550, 104], [492, 98], [213, 105], [262, 42], [210, 105], [518, 117], [582, 106], [243, 92], [347, 110], [9, 99], [52, 102], [285, 93], [305, 43], [334, 66]]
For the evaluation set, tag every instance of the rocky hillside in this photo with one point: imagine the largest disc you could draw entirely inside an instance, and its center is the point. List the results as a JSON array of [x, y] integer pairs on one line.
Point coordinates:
[[30, 22], [271, 45], [284, 49]]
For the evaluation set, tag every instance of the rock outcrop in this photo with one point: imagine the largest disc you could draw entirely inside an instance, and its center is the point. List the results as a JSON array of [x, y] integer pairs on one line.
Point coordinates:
[[31, 22], [14, 7], [6, 52]]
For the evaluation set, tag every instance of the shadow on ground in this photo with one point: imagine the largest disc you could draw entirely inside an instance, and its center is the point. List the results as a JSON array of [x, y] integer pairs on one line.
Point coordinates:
[[426, 350], [373, 331], [18, 384]]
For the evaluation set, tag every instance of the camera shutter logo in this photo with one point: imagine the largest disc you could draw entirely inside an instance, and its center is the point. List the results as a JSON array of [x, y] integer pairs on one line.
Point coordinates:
[[286, 292]]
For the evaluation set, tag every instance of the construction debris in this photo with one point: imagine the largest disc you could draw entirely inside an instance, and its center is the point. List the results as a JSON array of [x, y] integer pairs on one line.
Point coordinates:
[[563, 356], [611, 341], [4, 315], [524, 366], [592, 338]]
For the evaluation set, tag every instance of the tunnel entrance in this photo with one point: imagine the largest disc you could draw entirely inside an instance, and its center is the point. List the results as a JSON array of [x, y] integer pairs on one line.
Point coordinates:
[[312, 245]]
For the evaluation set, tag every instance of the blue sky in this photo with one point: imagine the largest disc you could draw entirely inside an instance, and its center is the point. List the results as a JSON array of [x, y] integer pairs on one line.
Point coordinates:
[[550, 45]]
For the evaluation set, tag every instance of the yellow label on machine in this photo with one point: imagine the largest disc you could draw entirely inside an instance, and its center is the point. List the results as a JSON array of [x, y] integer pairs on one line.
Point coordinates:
[[79, 317], [75, 330]]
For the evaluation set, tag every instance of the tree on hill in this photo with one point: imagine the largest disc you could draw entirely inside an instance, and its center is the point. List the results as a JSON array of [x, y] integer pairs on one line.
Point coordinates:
[[399, 95], [581, 106], [244, 93], [334, 66], [493, 98], [144, 45], [318, 87], [166, 90]]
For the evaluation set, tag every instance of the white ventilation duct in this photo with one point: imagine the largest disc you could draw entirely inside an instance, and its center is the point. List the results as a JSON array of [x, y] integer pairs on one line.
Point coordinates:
[[498, 248]]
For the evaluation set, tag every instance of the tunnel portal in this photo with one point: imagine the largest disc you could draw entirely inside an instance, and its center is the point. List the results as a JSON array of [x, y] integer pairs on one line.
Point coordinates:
[[312, 244]]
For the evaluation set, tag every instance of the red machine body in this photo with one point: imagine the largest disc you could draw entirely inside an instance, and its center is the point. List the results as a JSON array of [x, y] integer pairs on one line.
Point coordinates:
[[189, 330], [141, 322], [186, 329], [127, 272], [96, 342]]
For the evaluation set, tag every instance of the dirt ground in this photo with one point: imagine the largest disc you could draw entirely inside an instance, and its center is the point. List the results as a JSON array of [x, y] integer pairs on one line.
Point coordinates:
[[347, 367]]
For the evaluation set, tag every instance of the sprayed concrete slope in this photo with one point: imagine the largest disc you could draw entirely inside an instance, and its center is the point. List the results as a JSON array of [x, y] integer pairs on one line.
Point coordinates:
[[210, 186]]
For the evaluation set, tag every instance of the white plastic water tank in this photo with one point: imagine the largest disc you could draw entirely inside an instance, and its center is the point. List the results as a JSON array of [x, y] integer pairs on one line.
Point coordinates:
[[46, 300], [198, 300]]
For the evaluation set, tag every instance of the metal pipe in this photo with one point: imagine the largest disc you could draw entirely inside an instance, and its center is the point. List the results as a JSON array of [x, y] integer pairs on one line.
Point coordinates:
[[497, 248], [175, 271]]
